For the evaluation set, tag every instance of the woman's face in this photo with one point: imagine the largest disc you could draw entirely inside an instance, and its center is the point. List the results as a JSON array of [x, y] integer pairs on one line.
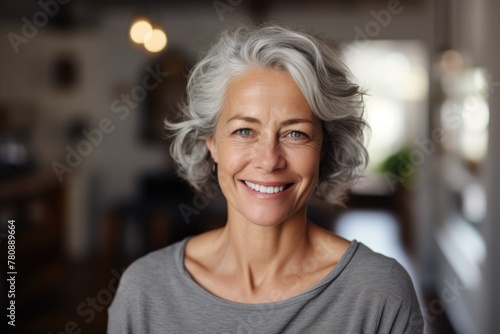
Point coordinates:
[[267, 145]]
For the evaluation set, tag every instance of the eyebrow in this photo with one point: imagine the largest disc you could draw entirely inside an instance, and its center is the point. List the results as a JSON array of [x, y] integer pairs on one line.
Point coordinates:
[[256, 121]]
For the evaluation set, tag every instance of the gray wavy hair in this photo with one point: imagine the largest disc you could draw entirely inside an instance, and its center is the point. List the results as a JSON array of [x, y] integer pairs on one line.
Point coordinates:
[[319, 73]]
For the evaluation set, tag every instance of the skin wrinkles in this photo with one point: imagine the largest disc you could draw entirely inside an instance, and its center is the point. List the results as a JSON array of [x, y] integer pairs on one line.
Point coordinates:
[[266, 134], [267, 109]]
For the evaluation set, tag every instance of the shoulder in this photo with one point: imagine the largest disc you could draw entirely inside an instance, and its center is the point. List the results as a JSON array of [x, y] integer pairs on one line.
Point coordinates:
[[385, 286], [147, 281], [375, 266], [153, 268], [382, 275]]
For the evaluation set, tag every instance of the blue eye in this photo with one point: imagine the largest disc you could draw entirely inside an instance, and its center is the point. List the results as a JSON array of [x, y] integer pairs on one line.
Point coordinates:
[[297, 134], [243, 132]]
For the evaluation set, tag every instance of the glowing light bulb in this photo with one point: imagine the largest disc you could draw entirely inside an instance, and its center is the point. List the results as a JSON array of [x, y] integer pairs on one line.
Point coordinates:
[[139, 30], [155, 40], [452, 61]]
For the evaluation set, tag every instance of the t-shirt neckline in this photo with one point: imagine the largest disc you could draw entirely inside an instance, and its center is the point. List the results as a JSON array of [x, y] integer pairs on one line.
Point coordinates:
[[344, 260]]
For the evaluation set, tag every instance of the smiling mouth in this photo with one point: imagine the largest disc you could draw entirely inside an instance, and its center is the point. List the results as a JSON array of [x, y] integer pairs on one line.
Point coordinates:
[[266, 189]]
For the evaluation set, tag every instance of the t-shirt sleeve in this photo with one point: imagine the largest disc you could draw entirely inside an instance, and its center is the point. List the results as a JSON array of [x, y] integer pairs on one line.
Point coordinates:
[[400, 313]]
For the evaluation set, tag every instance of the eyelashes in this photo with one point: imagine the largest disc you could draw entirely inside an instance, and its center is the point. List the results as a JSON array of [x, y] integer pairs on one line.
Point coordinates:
[[244, 132], [293, 134]]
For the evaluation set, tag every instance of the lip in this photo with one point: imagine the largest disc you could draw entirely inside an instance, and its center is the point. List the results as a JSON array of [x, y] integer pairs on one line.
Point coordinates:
[[260, 195], [268, 184]]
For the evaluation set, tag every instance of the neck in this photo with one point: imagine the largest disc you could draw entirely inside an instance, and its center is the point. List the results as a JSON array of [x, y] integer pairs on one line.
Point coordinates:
[[261, 253]]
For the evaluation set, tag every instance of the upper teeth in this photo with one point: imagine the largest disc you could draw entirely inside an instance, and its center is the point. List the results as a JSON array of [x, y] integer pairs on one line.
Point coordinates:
[[264, 189]]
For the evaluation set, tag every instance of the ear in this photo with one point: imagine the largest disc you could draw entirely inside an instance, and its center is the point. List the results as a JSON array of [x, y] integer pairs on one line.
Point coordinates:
[[210, 141]]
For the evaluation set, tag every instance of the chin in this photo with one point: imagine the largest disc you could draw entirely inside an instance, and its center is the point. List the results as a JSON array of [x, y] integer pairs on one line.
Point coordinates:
[[265, 217]]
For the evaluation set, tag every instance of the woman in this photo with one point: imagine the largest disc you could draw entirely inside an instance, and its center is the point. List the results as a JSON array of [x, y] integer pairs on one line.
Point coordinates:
[[273, 119]]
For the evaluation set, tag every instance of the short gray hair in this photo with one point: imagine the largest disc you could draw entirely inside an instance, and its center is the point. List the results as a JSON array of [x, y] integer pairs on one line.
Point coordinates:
[[318, 71]]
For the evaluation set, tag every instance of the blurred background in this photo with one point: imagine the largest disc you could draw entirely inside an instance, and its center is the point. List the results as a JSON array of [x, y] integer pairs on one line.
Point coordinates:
[[86, 174]]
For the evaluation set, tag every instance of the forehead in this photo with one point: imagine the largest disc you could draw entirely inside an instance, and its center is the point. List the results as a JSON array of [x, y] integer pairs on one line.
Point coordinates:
[[265, 93]]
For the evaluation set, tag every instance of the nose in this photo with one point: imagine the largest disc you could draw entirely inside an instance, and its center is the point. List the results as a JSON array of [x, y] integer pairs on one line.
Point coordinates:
[[268, 155]]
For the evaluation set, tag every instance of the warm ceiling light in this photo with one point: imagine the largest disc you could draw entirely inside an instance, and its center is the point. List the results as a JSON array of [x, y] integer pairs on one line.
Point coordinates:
[[139, 30], [155, 40], [452, 61]]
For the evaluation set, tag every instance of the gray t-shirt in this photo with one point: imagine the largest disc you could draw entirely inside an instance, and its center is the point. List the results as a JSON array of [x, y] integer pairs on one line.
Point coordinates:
[[364, 293]]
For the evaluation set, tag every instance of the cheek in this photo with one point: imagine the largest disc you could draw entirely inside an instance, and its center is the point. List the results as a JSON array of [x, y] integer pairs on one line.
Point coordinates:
[[305, 162], [232, 155], [231, 161]]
